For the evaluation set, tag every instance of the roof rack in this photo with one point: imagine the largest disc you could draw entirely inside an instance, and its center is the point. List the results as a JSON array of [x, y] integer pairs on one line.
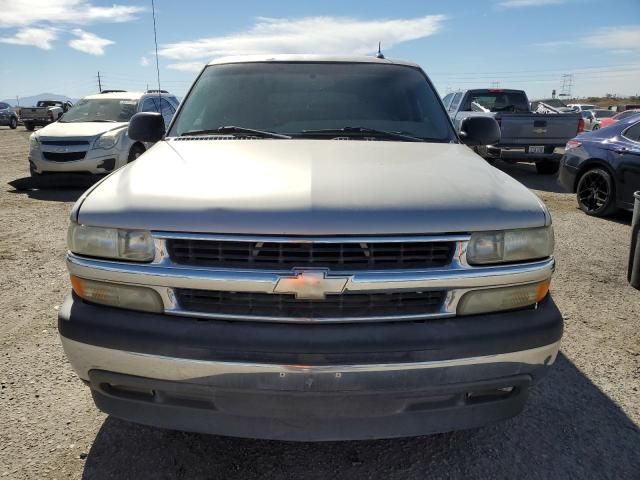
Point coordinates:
[[112, 91], [157, 91]]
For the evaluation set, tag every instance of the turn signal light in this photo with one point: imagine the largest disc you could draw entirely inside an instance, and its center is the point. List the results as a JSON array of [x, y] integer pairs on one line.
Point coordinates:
[[499, 299], [117, 295]]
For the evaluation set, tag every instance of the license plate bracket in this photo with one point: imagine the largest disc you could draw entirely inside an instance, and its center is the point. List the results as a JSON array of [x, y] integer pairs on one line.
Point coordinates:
[[535, 149]]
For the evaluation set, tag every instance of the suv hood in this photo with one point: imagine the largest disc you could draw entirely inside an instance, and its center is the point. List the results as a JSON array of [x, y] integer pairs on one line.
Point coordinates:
[[78, 129], [310, 187]]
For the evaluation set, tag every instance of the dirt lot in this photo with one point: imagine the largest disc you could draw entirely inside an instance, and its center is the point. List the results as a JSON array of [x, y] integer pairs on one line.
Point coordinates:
[[581, 422]]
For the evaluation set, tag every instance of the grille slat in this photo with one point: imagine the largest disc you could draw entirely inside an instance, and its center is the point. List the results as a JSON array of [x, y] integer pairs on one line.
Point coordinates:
[[63, 157], [345, 305], [337, 256]]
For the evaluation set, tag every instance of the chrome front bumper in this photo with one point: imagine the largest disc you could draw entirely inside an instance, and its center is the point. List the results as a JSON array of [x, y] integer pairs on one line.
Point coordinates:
[[85, 357]]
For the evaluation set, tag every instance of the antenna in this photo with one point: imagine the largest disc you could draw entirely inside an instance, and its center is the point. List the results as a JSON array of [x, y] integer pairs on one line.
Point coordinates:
[[379, 55], [99, 83], [155, 40]]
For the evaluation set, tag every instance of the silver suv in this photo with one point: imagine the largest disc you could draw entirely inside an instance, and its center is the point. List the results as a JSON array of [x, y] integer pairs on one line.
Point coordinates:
[[310, 253], [91, 138]]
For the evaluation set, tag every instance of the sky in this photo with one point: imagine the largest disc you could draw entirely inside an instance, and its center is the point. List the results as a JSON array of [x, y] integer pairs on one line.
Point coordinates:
[[59, 46]]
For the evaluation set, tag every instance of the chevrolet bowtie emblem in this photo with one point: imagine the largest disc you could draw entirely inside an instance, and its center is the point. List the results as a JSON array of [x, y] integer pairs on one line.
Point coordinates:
[[311, 285]]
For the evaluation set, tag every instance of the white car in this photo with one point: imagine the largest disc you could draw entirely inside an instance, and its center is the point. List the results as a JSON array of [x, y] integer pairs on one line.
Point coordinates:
[[581, 107], [91, 138]]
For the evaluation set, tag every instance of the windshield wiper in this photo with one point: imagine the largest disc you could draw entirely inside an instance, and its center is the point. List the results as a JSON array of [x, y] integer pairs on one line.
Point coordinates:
[[363, 132], [233, 130]]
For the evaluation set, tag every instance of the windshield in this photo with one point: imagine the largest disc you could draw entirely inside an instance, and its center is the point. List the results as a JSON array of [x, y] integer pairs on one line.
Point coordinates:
[[101, 110], [496, 101], [291, 98], [604, 113], [44, 103], [627, 113]]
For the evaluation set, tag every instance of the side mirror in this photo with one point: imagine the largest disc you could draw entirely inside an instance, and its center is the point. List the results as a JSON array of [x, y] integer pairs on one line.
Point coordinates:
[[475, 131], [146, 127]]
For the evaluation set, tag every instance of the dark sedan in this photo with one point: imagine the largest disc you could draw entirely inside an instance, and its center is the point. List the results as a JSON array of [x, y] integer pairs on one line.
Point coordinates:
[[8, 115], [603, 167]]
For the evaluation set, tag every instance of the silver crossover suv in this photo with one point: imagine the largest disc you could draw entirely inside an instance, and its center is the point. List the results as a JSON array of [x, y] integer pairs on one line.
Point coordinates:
[[91, 138]]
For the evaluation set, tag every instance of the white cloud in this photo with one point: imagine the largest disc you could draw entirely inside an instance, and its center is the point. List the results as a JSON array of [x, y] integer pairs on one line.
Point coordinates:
[[555, 44], [36, 37], [20, 13], [88, 42], [626, 37], [187, 66], [529, 3], [323, 35], [620, 40], [144, 62]]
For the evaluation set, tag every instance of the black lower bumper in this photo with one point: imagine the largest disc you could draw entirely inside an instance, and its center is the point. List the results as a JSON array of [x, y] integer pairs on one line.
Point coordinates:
[[308, 382], [238, 341], [309, 416]]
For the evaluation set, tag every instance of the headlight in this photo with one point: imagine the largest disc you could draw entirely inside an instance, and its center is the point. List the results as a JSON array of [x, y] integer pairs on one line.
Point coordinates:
[[108, 140], [118, 295], [502, 298], [33, 141], [133, 245], [510, 245]]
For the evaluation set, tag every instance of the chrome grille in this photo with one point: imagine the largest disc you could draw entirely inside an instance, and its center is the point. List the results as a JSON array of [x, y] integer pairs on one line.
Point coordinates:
[[346, 305], [288, 255]]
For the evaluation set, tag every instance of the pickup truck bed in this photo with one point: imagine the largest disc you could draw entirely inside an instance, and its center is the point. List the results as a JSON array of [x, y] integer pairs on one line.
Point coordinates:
[[525, 135]]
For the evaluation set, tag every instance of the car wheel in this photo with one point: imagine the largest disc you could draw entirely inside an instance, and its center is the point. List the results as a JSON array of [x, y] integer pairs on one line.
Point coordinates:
[[547, 167], [595, 127], [596, 193], [13, 123], [29, 126], [135, 152]]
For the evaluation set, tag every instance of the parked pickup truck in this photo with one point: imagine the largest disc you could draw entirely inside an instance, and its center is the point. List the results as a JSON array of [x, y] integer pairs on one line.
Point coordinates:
[[525, 135], [44, 113], [310, 252]]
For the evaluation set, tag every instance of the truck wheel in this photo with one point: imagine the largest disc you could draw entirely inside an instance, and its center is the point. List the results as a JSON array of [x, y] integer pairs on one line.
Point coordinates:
[[135, 152], [13, 123], [547, 167], [596, 193], [29, 126]]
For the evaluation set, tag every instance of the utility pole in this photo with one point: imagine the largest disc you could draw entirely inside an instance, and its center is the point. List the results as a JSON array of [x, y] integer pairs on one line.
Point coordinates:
[[99, 83], [17, 101]]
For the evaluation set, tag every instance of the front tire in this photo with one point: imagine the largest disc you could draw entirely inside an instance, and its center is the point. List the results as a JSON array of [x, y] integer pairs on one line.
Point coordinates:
[[13, 123], [547, 167], [135, 152], [596, 193]]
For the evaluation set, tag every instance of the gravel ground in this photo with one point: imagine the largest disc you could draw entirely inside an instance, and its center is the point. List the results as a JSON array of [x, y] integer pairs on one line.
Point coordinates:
[[581, 422]]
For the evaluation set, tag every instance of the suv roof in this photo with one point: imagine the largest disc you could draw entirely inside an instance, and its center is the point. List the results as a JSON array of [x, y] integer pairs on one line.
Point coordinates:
[[308, 58], [124, 95]]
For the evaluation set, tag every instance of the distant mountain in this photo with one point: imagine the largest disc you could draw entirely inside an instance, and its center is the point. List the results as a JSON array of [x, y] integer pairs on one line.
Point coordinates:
[[31, 101]]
